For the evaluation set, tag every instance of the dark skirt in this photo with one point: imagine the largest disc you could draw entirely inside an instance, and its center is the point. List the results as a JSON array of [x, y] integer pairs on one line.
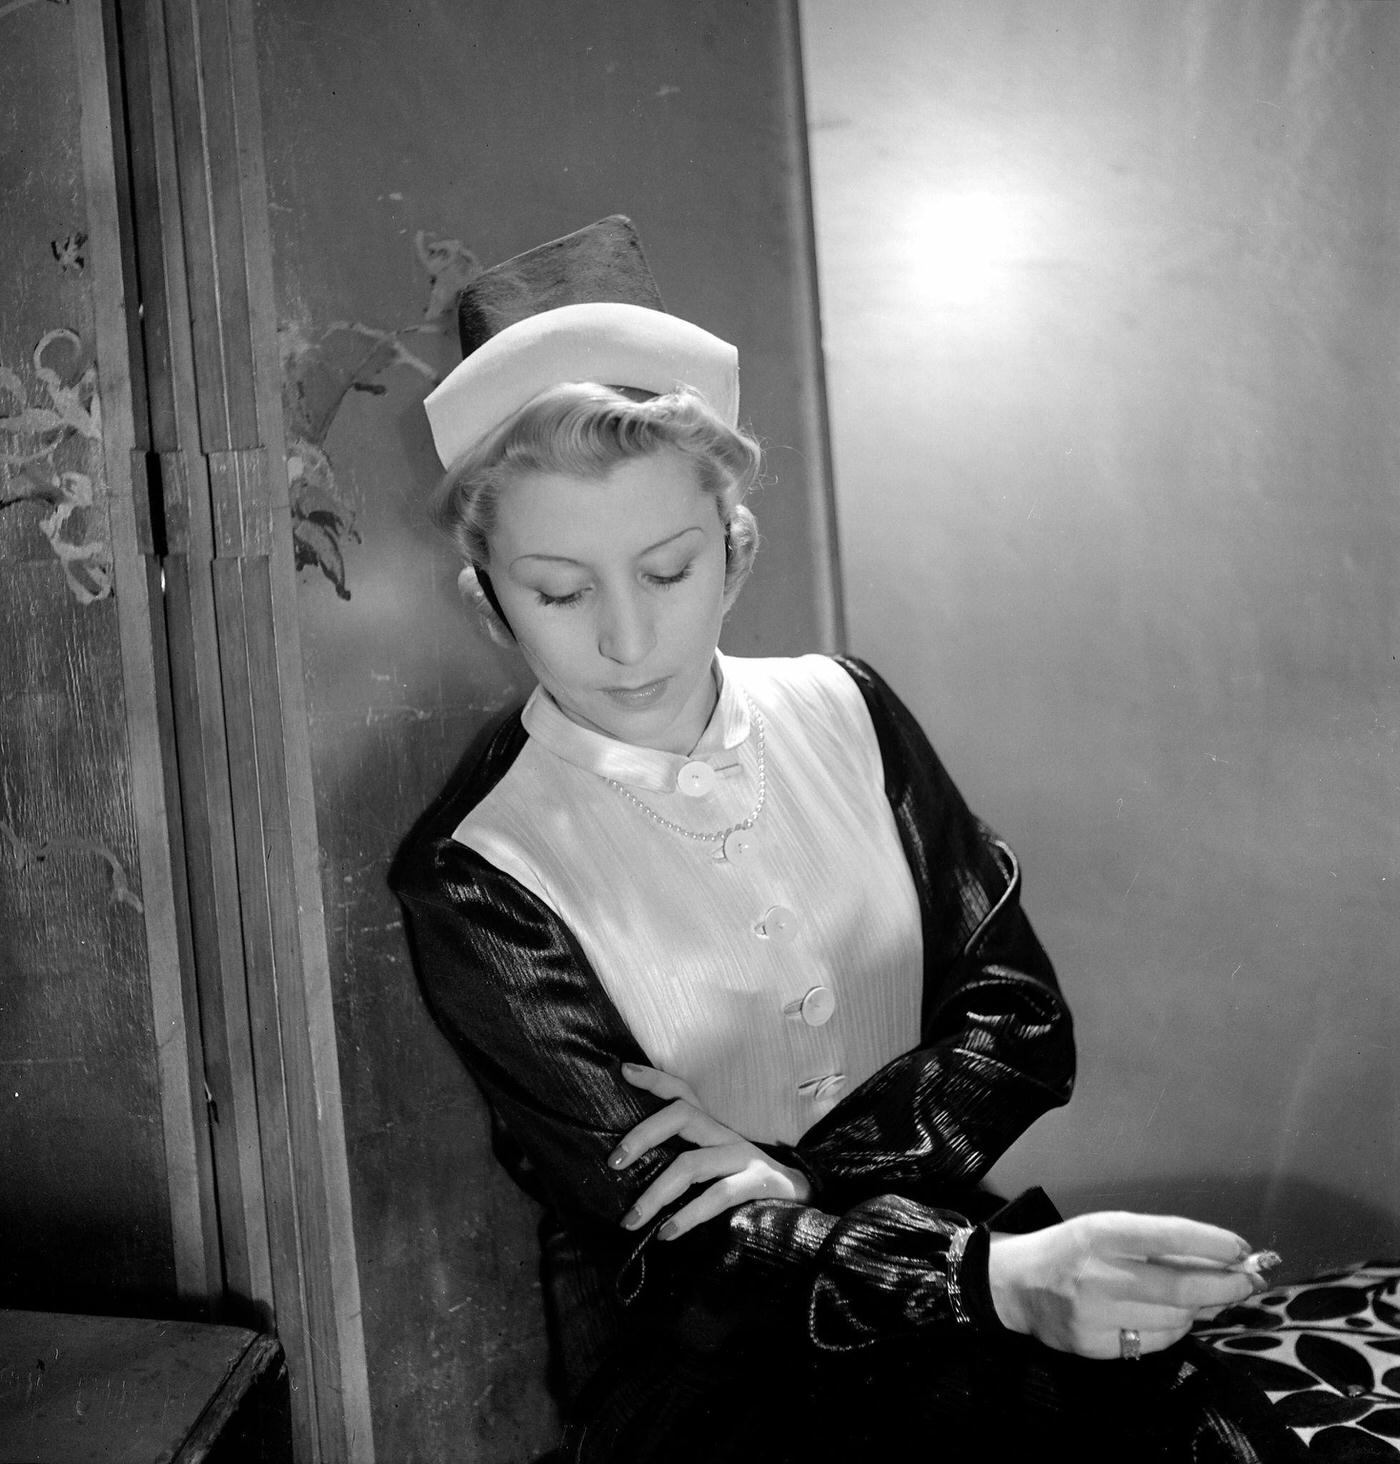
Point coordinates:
[[951, 1397]]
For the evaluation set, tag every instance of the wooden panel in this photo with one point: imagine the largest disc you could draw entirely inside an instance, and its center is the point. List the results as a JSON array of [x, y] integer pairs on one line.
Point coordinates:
[[83, 1206], [172, 419], [136, 584], [250, 837], [206, 147], [184, 532], [393, 153], [217, 939], [281, 1023], [105, 1200]]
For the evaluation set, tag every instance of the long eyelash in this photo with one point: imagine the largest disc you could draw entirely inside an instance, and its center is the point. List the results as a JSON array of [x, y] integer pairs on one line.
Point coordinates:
[[671, 579], [662, 581]]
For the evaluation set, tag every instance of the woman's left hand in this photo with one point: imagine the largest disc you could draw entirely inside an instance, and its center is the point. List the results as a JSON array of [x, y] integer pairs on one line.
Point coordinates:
[[732, 1169]]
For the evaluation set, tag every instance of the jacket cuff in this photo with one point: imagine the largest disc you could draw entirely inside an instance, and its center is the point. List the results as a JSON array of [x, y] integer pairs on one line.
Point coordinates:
[[1031, 1210], [974, 1286], [786, 1154]]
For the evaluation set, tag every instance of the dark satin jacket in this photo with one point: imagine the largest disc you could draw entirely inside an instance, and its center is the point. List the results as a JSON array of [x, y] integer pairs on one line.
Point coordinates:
[[879, 1283], [886, 1244]]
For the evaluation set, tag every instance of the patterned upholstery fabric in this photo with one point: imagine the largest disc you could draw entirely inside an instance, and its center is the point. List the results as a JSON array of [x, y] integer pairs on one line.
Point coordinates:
[[1327, 1352]]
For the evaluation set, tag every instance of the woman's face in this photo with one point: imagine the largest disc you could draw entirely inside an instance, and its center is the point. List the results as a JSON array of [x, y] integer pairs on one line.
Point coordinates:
[[614, 589]]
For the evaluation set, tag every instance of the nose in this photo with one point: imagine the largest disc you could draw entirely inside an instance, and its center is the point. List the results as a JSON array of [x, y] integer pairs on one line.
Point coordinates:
[[626, 631]]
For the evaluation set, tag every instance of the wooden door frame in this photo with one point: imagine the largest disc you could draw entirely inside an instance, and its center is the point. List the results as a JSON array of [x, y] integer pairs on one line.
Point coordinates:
[[259, 1184]]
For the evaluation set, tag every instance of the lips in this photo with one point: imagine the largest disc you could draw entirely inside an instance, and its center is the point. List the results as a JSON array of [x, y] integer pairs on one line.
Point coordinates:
[[634, 698]]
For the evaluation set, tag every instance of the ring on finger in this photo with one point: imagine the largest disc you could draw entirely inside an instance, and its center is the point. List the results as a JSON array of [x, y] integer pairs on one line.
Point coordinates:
[[1129, 1344]]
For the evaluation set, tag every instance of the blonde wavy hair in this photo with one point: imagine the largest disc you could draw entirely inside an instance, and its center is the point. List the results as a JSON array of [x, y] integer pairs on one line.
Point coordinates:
[[586, 431]]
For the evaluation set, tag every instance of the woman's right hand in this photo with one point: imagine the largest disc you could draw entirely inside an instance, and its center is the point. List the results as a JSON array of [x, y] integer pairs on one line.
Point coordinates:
[[1076, 1285]]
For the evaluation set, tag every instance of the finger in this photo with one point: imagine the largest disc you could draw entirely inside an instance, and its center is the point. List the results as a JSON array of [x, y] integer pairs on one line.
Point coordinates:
[[1105, 1344], [1145, 1316], [1119, 1300], [754, 1180], [1150, 1339], [751, 1183], [1149, 1317], [654, 1080], [1144, 1236], [654, 1129], [695, 1167], [678, 1120], [1189, 1289]]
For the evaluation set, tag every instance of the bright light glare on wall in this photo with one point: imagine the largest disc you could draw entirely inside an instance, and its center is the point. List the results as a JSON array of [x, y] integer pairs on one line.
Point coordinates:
[[963, 243]]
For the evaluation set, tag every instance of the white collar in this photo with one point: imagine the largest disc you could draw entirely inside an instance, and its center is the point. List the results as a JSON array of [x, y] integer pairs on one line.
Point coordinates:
[[638, 767]]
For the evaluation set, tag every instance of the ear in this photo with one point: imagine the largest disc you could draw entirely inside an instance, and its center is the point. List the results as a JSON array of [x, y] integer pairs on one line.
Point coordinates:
[[732, 587], [474, 585]]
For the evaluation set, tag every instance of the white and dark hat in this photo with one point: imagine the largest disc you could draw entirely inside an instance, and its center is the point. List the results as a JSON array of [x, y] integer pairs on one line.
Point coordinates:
[[580, 308]]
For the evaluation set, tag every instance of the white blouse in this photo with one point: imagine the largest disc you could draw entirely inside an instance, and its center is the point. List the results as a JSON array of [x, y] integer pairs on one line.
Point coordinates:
[[773, 978]]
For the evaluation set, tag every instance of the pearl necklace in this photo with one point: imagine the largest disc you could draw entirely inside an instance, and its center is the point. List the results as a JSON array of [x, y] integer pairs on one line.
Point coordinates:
[[722, 834]]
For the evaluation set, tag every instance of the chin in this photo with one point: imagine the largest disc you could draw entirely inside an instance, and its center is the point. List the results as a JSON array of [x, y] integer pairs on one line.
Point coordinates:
[[651, 727]]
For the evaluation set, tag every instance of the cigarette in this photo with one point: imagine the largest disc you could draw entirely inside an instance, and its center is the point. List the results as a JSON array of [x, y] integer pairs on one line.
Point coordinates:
[[1252, 1265]]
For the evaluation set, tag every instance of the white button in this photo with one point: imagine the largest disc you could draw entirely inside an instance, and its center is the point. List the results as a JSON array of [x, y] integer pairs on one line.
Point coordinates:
[[829, 1086], [822, 1089], [817, 1006], [778, 924], [695, 779], [739, 845]]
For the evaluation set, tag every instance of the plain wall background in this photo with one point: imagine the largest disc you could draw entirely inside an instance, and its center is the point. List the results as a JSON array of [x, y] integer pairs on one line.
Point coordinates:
[[1111, 300]]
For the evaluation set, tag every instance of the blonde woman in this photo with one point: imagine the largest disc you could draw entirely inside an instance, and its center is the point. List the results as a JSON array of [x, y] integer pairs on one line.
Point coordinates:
[[748, 989]]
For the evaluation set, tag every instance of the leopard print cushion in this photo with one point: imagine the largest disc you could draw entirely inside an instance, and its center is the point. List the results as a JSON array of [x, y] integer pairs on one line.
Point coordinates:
[[1327, 1353]]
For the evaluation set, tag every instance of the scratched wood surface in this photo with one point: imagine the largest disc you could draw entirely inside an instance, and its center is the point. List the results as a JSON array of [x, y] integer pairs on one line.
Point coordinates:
[[109, 1390], [394, 153], [84, 1212]]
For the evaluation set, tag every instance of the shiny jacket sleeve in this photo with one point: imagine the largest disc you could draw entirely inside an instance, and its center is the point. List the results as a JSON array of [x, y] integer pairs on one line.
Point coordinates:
[[876, 1253]]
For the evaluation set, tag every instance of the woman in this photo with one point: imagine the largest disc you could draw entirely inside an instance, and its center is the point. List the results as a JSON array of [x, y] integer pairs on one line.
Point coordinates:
[[749, 990]]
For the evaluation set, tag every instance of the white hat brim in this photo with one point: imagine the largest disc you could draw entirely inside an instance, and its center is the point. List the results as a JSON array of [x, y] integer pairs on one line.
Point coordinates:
[[611, 344]]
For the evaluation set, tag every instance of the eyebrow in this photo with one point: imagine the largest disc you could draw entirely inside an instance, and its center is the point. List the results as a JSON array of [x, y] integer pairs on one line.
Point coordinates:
[[660, 544]]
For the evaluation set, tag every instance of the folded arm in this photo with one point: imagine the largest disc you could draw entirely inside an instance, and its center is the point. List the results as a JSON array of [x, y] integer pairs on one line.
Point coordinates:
[[881, 1246], [510, 988]]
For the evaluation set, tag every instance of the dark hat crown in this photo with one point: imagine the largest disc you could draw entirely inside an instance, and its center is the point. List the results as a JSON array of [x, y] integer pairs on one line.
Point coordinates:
[[602, 263]]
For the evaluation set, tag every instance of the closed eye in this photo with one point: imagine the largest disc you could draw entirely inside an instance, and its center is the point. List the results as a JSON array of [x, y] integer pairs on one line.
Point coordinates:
[[661, 581], [666, 580], [559, 600]]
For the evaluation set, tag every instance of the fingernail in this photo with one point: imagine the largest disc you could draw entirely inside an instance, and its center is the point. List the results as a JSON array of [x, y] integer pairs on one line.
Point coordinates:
[[668, 1231], [618, 1158], [631, 1219], [1244, 1250], [1259, 1284], [630, 1069]]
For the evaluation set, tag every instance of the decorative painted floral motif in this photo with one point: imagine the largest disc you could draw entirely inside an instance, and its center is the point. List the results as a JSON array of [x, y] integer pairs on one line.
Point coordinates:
[[44, 452], [320, 370]]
